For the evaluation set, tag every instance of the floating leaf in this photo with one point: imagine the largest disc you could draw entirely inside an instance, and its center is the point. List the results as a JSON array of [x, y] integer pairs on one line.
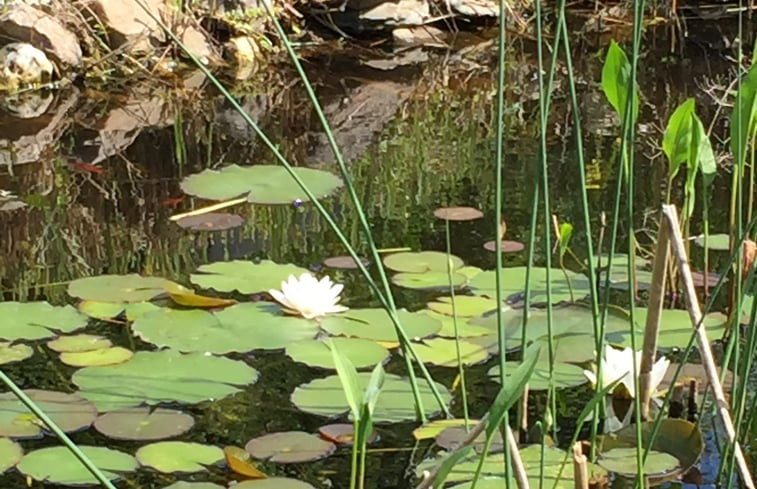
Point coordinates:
[[10, 353], [452, 437], [244, 276], [464, 305], [289, 447], [315, 353], [240, 328], [623, 461], [10, 454], [715, 242], [117, 288], [343, 262], [465, 329], [506, 246], [104, 356], [178, 456], [569, 348], [618, 271], [79, 343], [564, 375], [325, 397], [141, 423], [342, 434], [37, 320], [262, 184], [443, 352], [375, 324], [513, 283], [429, 280], [675, 328], [70, 412], [421, 262], [163, 376], [101, 310], [239, 461], [274, 483], [57, 465], [458, 213], [211, 221], [194, 485], [433, 428], [189, 298]]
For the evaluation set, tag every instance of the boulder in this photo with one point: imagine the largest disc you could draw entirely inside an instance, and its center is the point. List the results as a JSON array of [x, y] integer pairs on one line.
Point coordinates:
[[26, 23], [128, 23]]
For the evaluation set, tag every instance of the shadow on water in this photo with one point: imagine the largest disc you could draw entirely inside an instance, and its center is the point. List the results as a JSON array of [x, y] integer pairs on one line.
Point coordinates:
[[99, 175]]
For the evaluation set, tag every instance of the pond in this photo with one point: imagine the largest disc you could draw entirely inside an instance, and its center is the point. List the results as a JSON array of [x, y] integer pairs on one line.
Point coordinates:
[[98, 177]]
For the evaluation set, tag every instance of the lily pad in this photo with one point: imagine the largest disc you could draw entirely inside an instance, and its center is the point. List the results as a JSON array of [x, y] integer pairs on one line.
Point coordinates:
[[10, 454], [421, 262], [101, 310], [675, 328], [375, 324], [117, 288], [569, 348], [289, 447], [244, 276], [432, 428], [141, 423], [443, 352], [37, 320], [153, 377], [623, 461], [325, 397], [104, 356], [240, 328], [70, 412], [211, 221], [506, 245], [464, 305], [10, 353], [465, 329], [178, 456], [315, 353], [429, 280], [79, 343], [262, 184], [458, 213], [564, 375], [274, 483], [618, 272], [194, 485], [57, 465], [453, 436], [240, 462], [344, 262], [715, 242], [571, 288], [342, 434]]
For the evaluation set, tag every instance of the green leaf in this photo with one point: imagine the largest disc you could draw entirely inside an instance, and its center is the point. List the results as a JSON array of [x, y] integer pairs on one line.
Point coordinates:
[[315, 353], [566, 231], [349, 380], [676, 143], [244, 276], [178, 456], [448, 464], [511, 391], [616, 81], [375, 384], [743, 116], [57, 465], [37, 320]]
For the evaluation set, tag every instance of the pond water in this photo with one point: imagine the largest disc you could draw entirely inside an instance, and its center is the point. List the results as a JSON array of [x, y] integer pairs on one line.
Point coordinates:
[[100, 176]]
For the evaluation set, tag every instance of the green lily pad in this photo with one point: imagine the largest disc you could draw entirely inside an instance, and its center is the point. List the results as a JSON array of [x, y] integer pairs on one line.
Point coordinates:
[[10, 454], [57, 465], [375, 324], [274, 483], [619, 271], [194, 485], [464, 305], [244, 276], [429, 280], [514, 283], [37, 320], [623, 461], [325, 397], [101, 310], [239, 328], [78, 343], [569, 348], [564, 375], [178, 456], [315, 353], [70, 412], [117, 288], [465, 329], [421, 262], [443, 352], [715, 242], [262, 184], [10, 353], [675, 328], [104, 356], [163, 376], [141, 423], [289, 447]]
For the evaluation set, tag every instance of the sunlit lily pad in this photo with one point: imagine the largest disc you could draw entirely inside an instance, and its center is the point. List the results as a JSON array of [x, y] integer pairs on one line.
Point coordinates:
[[274, 483], [289, 447], [78, 343], [464, 305], [10, 454], [715, 242], [178, 456], [104, 356], [240, 328], [623, 461], [514, 284], [465, 329], [421, 262], [433, 428], [211, 221], [452, 437], [10, 353], [325, 397], [101, 310], [37, 320], [443, 352], [675, 328], [315, 353], [506, 245], [117, 288], [429, 280], [244, 276], [70, 412], [184, 296], [57, 465], [375, 324], [569, 348], [194, 485], [342, 433], [564, 375], [141, 423], [163, 376]]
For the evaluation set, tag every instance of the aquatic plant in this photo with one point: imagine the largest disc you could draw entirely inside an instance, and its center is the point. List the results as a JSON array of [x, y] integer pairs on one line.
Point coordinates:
[[309, 297]]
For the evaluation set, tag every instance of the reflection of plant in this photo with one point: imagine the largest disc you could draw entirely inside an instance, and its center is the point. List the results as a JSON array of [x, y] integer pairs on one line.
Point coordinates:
[[309, 297]]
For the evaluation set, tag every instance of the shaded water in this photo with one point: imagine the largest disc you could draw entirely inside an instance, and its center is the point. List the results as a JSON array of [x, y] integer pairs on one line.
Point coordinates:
[[417, 137]]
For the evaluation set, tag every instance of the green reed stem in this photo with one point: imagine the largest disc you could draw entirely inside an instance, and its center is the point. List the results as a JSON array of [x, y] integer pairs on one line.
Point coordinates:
[[460, 366]]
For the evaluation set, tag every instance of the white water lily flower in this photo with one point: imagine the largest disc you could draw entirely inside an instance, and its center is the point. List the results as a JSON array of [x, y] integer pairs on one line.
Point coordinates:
[[618, 365], [309, 297]]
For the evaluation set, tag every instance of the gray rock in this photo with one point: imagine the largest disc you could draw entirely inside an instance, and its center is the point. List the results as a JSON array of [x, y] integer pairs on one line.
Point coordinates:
[[128, 23]]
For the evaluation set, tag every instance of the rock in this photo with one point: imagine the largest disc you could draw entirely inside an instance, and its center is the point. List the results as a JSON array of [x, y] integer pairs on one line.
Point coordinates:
[[25, 23], [196, 43], [128, 23], [475, 8], [423, 35], [399, 13], [22, 64]]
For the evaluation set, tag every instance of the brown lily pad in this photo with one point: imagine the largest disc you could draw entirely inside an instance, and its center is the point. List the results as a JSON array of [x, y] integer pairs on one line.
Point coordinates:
[[212, 221], [343, 262], [289, 447], [458, 213], [142, 424], [342, 433], [698, 279], [507, 246], [452, 436]]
